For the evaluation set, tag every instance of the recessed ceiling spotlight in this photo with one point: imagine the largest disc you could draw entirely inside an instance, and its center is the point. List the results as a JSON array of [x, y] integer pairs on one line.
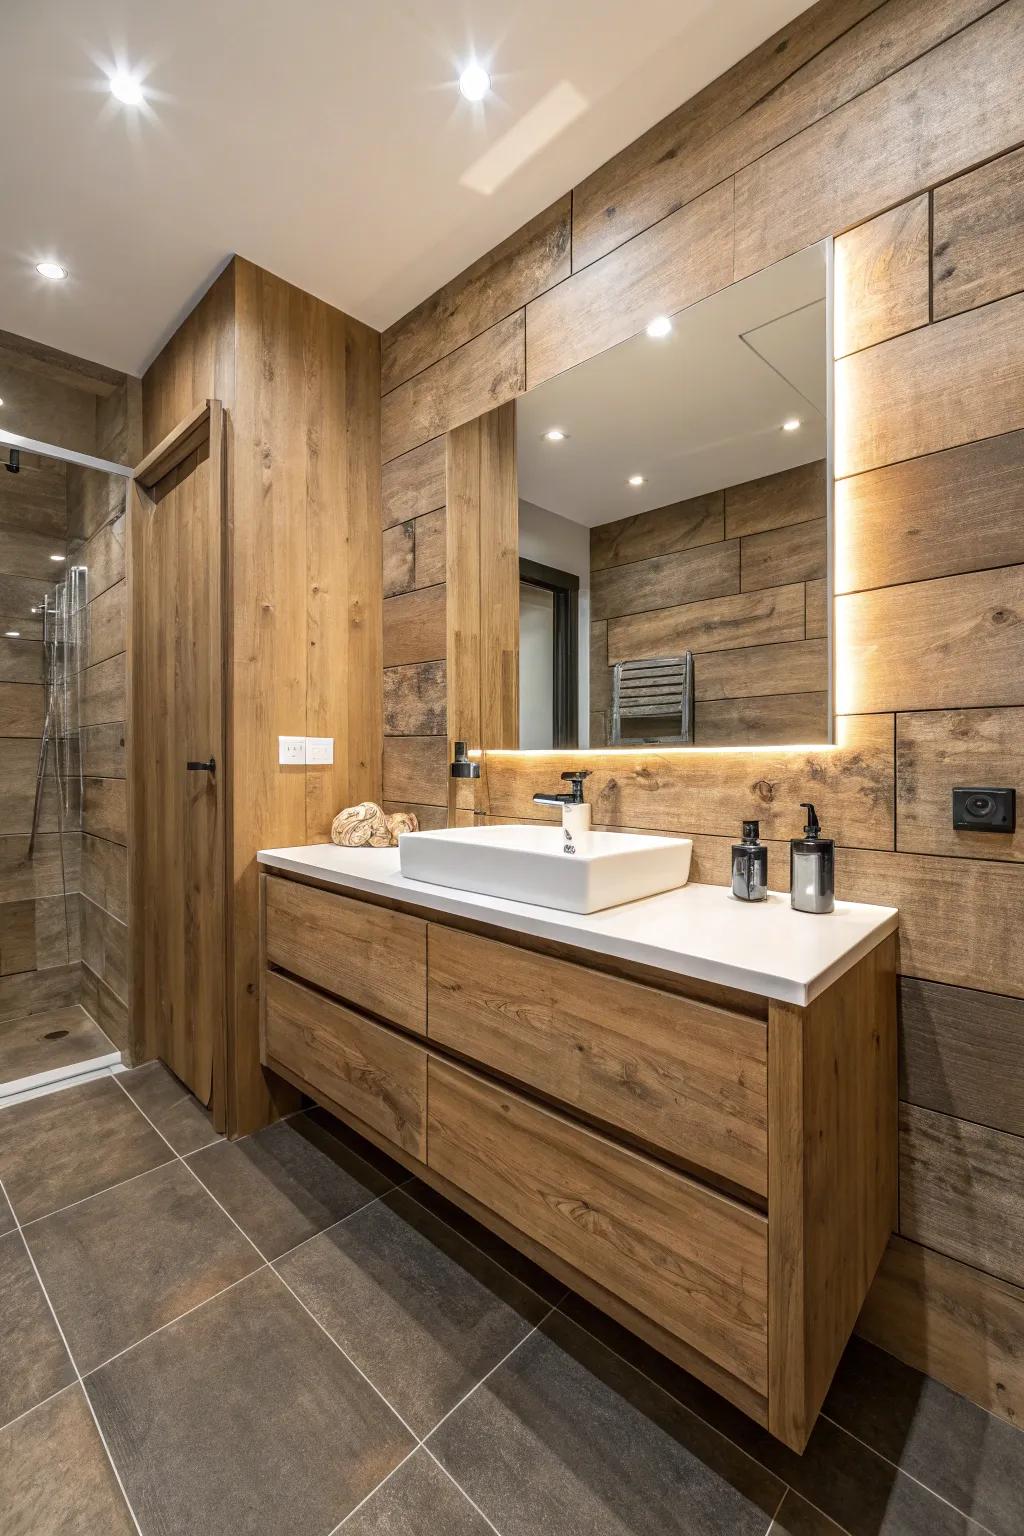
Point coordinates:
[[474, 82], [58, 557], [660, 326], [12, 634], [1, 400], [126, 88], [792, 425], [35, 610], [51, 269], [553, 434], [636, 479]]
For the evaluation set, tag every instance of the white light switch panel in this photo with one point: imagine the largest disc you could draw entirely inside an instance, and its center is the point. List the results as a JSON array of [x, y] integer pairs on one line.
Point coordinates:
[[291, 750], [319, 749]]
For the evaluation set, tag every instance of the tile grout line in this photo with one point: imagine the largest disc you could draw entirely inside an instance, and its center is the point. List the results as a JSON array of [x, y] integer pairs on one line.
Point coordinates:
[[42, 1403], [73, 1204], [368, 1496], [74, 1365], [778, 1511], [903, 1471], [462, 1490], [466, 1395]]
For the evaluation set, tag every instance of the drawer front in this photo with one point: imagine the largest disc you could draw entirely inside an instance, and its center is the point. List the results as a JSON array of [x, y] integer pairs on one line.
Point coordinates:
[[683, 1076], [694, 1261], [372, 1072], [368, 955]]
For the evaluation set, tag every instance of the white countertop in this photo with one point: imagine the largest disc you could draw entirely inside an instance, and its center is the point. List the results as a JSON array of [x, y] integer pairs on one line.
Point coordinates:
[[699, 930]]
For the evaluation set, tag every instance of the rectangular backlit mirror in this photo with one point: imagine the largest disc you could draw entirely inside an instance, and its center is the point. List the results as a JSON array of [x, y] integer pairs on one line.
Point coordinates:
[[674, 517]]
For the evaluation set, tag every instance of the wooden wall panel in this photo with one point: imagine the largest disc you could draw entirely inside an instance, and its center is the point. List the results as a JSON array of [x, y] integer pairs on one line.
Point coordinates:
[[720, 623], [960, 1053], [960, 1187], [483, 373], [414, 700], [792, 80], [978, 236], [883, 277], [416, 769], [956, 105], [794, 553], [681, 260], [958, 510], [951, 383], [711, 570], [937, 750], [662, 531], [529, 261], [413, 483], [414, 627], [959, 918], [952, 1322], [932, 644], [678, 790], [775, 501]]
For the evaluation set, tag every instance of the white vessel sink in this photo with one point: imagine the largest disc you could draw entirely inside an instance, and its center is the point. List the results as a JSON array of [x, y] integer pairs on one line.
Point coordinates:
[[527, 863]]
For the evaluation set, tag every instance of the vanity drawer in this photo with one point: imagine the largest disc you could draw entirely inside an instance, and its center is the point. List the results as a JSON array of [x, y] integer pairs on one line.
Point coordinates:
[[375, 1074], [368, 955], [692, 1260], [680, 1075]]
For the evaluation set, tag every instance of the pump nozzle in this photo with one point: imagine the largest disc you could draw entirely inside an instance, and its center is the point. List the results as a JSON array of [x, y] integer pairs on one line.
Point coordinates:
[[813, 827]]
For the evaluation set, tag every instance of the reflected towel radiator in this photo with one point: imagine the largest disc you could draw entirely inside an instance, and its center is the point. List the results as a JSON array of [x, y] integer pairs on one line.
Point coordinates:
[[659, 691]]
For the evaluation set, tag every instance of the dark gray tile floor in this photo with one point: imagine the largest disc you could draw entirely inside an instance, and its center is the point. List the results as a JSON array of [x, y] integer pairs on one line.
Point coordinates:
[[288, 1335]]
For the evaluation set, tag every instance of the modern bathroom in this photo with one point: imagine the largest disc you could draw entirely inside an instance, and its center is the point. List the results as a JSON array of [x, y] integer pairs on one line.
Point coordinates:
[[511, 719]]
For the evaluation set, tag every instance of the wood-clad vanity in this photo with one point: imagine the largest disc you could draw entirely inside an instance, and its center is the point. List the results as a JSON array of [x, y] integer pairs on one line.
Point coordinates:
[[713, 1166]]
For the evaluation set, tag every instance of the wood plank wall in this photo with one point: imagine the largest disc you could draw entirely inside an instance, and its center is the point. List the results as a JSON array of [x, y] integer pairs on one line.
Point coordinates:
[[897, 126], [300, 383], [726, 576]]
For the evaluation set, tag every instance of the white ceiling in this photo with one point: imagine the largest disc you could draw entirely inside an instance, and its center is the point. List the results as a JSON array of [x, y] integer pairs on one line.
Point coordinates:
[[323, 139], [692, 412]]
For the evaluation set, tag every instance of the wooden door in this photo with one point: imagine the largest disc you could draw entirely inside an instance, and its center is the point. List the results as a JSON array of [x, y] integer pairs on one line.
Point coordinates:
[[176, 690]]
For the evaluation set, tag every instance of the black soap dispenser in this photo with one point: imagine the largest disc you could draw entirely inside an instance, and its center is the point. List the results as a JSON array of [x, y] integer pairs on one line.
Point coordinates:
[[750, 865], [812, 867]]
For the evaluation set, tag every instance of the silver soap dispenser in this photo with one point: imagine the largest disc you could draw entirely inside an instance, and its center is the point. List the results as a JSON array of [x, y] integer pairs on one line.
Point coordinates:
[[812, 867]]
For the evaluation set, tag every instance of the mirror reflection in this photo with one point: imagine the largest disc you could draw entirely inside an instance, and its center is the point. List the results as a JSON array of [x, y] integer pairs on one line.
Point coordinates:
[[673, 513]]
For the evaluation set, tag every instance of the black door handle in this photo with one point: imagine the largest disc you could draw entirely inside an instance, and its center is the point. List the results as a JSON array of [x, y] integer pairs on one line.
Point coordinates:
[[210, 767]]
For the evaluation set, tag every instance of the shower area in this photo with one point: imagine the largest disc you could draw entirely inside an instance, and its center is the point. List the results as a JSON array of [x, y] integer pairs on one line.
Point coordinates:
[[66, 427]]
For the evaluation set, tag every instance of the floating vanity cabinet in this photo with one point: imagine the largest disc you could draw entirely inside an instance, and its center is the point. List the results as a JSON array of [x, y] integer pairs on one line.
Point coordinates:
[[713, 1166]]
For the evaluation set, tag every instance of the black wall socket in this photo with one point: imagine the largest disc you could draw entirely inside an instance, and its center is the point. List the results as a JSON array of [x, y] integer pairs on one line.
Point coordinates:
[[984, 810]]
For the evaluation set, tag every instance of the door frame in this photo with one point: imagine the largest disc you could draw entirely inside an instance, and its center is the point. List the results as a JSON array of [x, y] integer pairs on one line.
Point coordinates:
[[204, 426]]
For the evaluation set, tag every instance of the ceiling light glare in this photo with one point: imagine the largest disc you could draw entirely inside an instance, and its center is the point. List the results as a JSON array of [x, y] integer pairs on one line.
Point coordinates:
[[126, 88], [660, 326], [792, 425], [636, 479], [474, 82], [51, 269], [12, 634], [552, 435], [58, 557]]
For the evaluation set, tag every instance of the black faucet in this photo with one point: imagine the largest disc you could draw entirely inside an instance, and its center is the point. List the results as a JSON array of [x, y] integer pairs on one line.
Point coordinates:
[[575, 797]]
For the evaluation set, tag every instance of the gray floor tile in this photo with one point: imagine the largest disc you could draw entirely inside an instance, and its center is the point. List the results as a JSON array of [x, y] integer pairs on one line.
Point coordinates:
[[288, 1182], [844, 1479], [565, 1437], [948, 1443], [394, 1171], [135, 1257], [33, 1361], [66, 1146], [418, 1308], [418, 1499], [798, 1518], [503, 1253], [242, 1418], [55, 1479], [172, 1108]]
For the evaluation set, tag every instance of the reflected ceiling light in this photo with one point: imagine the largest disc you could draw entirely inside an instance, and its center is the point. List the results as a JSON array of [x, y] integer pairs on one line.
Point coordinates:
[[553, 434], [636, 479], [792, 424], [660, 326], [51, 269], [126, 88], [58, 557], [474, 82], [12, 634]]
